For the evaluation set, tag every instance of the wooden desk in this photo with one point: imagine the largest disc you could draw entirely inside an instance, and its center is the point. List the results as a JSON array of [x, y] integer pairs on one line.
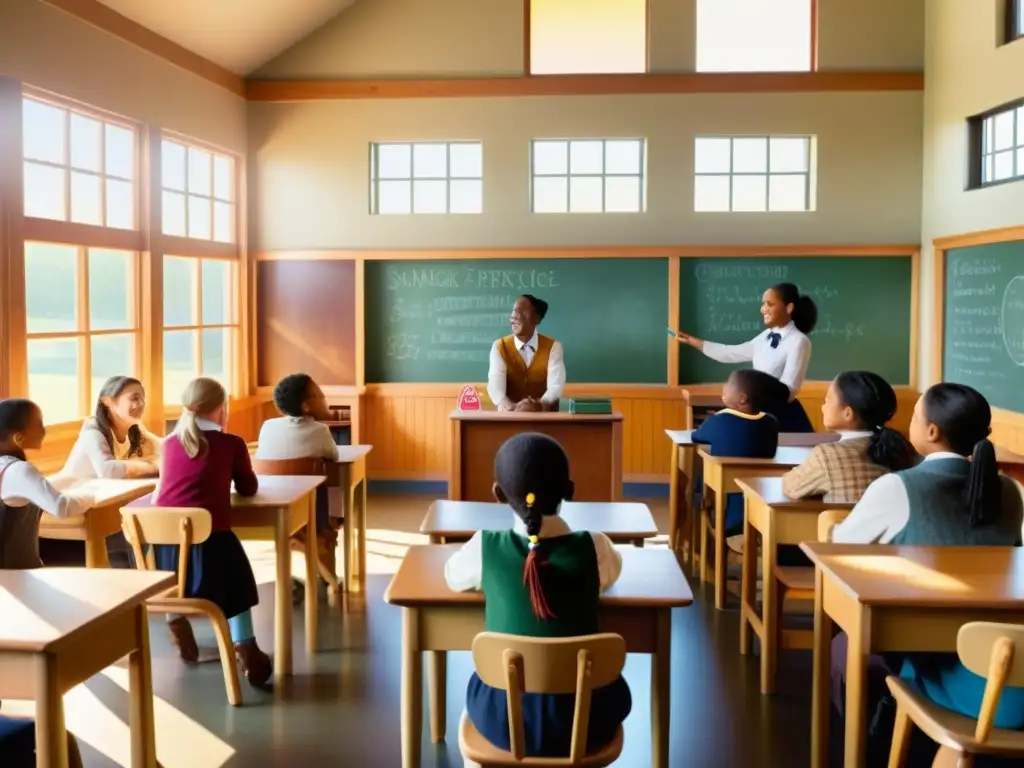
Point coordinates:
[[622, 522], [720, 473], [103, 519], [683, 468], [1010, 463], [779, 520], [435, 619], [60, 627], [899, 599], [593, 444]]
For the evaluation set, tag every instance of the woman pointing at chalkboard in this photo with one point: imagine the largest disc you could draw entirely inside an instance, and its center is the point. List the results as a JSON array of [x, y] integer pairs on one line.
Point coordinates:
[[784, 351], [527, 372]]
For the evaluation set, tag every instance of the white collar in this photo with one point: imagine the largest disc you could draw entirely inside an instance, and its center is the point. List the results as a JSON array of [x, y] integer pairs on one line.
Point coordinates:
[[944, 455], [852, 434], [532, 343], [783, 331], [550, 526], [207, 426]]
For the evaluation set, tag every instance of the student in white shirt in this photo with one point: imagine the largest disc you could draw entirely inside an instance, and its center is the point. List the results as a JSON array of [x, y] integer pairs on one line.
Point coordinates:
[[24, 492], [299, 432], [114, 443], [784, 350], [527, 370]]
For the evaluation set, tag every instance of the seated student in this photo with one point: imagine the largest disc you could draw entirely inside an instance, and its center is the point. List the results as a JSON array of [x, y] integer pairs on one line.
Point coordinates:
[[744, 428], [946, 500], [541, 580], [200, 462], [858, 405]]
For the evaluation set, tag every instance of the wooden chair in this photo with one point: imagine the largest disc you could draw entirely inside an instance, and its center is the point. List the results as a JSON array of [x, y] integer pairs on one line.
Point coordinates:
[[521, 665], [990, 651], [146, 526], [797, 582], [327, 567]]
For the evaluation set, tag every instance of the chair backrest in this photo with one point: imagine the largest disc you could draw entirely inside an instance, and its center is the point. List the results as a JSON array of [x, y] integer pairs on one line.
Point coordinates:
[[183, 526], [828, 520], [521, 665], [304, 467], [989, 650]]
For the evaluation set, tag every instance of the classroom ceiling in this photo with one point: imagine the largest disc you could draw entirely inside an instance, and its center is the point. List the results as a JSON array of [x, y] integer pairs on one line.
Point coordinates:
[[239, 35]]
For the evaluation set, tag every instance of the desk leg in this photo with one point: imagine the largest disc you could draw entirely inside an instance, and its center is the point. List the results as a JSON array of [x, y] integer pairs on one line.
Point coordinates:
[[412, 688], [95, 550], [721, 563], [437, 680], [857, 653], [693, 517], [283, 599], [360, 556], [821, 677], [661, 687], [312, 574], [140, 690], [748, 586], [771, 613], [346, 536], [673, 500], [51, 733]]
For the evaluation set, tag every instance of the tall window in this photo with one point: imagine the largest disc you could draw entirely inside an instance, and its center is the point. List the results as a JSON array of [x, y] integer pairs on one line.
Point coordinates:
[[200, 322], [568, 37], [754, 35], [426, 177], [81, 322], [199, 190], [79, 167], [588, 175], [752, 173], [1014, 20], [998, 144]]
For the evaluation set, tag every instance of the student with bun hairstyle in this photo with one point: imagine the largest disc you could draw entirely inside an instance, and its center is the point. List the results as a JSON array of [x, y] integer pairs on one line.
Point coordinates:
[[200, 463], [858, 406], [541, 580], [784, 350], [527, 370]]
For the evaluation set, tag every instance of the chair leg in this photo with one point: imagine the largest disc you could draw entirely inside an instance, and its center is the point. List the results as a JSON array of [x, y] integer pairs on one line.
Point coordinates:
[[900, 739], [227, 658], [950, 758], [704, 554]]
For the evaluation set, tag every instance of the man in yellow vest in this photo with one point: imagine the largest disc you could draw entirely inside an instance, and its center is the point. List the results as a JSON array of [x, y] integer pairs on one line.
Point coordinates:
[[527, 370]]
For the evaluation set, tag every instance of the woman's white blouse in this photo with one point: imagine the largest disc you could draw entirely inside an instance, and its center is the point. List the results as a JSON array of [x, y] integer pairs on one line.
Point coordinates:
[[91, 455], [787, 362], [21, 484]]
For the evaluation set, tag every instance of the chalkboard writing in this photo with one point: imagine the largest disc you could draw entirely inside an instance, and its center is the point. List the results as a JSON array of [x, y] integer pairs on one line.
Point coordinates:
[[983, 344], [863, 305], [437, 320]]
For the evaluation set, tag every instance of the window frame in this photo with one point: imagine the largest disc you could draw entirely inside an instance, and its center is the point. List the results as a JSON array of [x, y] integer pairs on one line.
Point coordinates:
[[528, 48], [214, 246], [569, 175], [809, 174], [375, 179], [976, 153], [812, 64], [1014, 21], [84, 334]]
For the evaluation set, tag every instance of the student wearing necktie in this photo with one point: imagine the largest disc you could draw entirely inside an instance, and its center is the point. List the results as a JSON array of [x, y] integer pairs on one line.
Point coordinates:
[[527, 370], [783, 350]]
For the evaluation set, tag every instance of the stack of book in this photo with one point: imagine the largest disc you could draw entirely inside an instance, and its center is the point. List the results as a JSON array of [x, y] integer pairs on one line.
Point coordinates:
[[589, 405]]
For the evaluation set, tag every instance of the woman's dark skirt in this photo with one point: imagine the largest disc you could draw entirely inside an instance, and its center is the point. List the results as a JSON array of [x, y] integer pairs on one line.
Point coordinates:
[[218, 571], [793, 418], [17, 742], [547, 718]]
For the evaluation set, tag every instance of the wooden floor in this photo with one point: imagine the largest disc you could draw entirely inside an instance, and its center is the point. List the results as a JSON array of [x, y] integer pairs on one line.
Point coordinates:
[[341, 708]]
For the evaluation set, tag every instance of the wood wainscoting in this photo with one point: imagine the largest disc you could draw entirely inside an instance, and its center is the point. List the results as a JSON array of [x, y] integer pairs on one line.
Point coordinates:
[[407, 424], [1008, 429]]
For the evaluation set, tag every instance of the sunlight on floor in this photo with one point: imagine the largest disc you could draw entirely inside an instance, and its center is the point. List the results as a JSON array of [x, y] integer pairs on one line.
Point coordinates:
[[181, 742]]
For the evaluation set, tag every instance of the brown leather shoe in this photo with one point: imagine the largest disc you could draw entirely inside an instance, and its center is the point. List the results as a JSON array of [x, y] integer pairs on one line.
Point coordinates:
[[182, 637], [256, 665]]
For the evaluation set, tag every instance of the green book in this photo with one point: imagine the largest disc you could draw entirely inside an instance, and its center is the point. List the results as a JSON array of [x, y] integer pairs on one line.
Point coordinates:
[[585, 405]]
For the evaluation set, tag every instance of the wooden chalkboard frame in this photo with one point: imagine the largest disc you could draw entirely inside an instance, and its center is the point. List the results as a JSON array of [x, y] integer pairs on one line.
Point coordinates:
[[940, 246], [674, 254]]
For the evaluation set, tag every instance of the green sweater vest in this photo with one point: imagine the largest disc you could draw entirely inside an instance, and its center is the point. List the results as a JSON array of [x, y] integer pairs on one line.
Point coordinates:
[[568, 574], [937, 514]]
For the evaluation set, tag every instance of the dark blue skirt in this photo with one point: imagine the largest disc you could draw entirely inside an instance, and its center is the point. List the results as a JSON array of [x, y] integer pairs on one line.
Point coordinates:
[[17, 742], [218, 571], [793, 418], [547, 718]]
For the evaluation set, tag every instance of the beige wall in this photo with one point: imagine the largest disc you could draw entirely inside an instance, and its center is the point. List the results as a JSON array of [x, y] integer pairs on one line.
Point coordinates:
[[966, 73], [50, 49]]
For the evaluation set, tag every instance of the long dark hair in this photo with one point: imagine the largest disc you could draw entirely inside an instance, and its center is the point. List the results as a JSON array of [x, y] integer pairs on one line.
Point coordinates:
[[964, 418], [805, 311], [14, 416], [873, 402], [532, 474], [112, 388], [765, 392], [539, 306]]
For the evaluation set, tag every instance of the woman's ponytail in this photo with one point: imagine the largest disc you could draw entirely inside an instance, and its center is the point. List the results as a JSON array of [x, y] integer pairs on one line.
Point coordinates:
[[889, 449], [534, 561], [983, 492], [201, 397], [805, 311], [189, 434], [873, 402]]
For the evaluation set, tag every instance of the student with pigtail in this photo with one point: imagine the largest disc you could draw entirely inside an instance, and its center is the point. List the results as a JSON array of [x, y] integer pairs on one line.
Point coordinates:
[[540, 579]]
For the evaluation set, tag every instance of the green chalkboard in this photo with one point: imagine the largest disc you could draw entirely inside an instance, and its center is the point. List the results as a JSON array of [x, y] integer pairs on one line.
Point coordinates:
[[863, 311], [436, 320], [983, 342]]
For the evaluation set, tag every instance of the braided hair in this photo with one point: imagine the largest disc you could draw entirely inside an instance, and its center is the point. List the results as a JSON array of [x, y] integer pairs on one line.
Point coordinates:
[[531, 474], [873, 403]]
